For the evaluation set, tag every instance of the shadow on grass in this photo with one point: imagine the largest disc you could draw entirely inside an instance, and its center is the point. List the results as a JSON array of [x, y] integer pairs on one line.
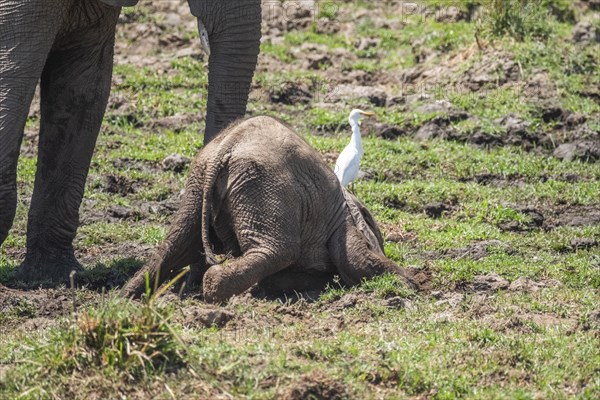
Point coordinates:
[[102, 276]]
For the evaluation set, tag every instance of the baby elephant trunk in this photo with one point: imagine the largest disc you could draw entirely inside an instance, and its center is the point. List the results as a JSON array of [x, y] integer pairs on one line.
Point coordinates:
[[357, 260]]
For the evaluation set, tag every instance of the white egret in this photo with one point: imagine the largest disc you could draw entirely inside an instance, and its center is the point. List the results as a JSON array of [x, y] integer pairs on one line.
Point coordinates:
[[348, 162]]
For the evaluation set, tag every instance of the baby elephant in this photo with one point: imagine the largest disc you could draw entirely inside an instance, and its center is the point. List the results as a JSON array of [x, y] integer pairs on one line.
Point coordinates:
[[262, 197]]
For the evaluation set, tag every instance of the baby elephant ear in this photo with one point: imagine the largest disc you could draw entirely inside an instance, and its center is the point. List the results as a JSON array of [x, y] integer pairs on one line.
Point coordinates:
[[364, 221], [120, 3]]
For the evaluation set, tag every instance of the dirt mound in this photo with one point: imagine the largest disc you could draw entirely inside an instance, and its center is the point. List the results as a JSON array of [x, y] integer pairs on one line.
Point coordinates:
[[315, 386], [207, 316]]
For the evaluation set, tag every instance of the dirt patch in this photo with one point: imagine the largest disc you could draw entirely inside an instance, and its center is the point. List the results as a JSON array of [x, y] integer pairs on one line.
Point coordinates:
[[491, 282], [528, 285], [476, 251], [436, 209], [177, 122], [535, 220], [114, 213], [317, 386], [125, 164], [41, 306], [290, 93], [396, 233], [119, 184], [207, 316], [585, 150], [583, 244], [176, 163], [574, 216], [531, 323], [358, 95]]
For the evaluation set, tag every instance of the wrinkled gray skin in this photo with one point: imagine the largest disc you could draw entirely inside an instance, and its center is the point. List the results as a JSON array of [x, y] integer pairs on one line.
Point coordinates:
[[68, 45], [262, 196]]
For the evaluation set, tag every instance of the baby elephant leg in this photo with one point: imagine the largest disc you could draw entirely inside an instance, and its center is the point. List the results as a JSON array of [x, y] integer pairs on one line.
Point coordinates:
[[233, 277], [268, 233], [354, 259]]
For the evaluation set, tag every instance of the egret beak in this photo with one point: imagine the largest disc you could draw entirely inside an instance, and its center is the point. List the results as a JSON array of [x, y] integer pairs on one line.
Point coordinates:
[[204, 37], [367, 114]]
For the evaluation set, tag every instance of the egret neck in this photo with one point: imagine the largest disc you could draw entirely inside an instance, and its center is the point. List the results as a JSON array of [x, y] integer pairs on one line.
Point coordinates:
[[356, 140]]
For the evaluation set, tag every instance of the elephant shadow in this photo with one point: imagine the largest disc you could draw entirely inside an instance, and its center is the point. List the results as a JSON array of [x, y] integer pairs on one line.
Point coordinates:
[[99, 277], [105, 276]]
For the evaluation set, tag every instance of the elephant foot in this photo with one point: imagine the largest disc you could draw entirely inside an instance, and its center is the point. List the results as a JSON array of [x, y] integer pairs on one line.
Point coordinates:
[[136, 287], [55, 269], [217, 287]]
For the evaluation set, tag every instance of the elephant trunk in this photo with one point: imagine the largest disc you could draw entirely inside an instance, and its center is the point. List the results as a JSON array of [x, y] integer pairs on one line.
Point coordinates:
[[234, 30]]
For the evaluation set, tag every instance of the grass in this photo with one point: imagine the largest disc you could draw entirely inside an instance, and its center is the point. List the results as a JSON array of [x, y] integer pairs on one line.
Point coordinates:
[[376, 340]]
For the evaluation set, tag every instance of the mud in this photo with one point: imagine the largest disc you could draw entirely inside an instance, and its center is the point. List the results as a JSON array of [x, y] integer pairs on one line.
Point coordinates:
[[39, 308], [317, 386]]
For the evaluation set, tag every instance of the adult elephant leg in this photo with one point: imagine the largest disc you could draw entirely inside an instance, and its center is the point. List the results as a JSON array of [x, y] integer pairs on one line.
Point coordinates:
[[355, 260], [24, 46], [75, 86], [233, 28]]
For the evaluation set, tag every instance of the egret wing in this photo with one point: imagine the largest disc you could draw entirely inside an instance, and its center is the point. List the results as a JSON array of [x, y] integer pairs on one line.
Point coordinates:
[[346, 166]]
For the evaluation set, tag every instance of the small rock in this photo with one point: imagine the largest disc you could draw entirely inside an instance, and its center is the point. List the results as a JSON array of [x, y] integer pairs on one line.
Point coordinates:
[[429, 131], [436, 209], [175, 162], [524, 284], [482, 79], [536, 217], [585, 150], [489, 283]]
